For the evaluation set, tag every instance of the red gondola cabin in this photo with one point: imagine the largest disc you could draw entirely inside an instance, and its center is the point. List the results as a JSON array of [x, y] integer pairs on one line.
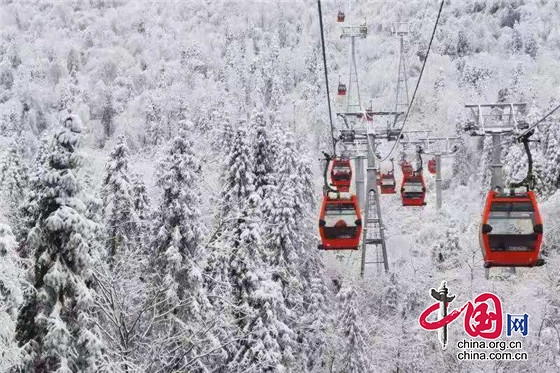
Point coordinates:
[[341, 89], [511, 230], [340, 222], [406, 168], [413, 190], [341, 174], [432, 166], [388, 183], [340, 17]]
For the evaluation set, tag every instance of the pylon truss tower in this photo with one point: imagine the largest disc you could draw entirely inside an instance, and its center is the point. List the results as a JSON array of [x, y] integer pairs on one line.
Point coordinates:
[[400, 29], [373, 247], [353, 100]]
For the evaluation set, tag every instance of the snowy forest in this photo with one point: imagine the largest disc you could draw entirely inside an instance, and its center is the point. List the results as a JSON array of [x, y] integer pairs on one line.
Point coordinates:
[[161, 179]]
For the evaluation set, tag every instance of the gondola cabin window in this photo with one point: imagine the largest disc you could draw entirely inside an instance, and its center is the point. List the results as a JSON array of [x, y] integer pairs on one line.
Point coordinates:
[[340, 215], [413, 187], [341, 172], [511, 222], [513, 226]]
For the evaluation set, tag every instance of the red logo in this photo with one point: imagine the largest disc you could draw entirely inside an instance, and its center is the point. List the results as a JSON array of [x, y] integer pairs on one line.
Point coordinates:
[[482, 319]]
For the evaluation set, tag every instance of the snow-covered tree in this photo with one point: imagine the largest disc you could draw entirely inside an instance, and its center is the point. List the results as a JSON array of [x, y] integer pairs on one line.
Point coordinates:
[[551, 170], [284, 238], [238, 174], [141, 202], [13, 175], [29, 209], [54, 324], [262, 155], [446, 250], [12, 286], [515, 164], [354, 357], [120, 218], [264, 345], [178, 253], [484, 169]]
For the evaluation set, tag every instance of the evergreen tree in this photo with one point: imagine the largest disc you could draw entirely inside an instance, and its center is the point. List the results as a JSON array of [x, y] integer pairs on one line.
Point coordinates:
[[354, 357], [263, 156], [515, 165], [445, 252], [141, 203], [551, 170], [29, 210], [313, 316], [121, 220], [286, 238], [259, 305], [12, 287], [52, 326], [13, 175], [178, 252], [277, 93], [287, 213], [237, 178], [10, 271], [238, 173]]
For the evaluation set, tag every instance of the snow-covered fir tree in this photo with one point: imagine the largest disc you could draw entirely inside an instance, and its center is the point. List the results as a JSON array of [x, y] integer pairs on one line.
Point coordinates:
[[551, 170], [257, 299], [13, 175], [262, 155], [121, 220], [238, 183], [29, 210], [178, 254], [354, 356], [54, 328], [142, 207], [12, 287]]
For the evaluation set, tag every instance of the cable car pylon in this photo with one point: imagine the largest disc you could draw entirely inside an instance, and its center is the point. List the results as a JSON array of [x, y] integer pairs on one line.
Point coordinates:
[[437, 147], [511, 229], [401, 100], [353, 100], [374, 232]]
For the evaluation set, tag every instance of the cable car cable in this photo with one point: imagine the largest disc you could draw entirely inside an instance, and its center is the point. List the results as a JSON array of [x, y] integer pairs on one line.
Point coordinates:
[[417, 84], [326, 76], [520, 137]]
